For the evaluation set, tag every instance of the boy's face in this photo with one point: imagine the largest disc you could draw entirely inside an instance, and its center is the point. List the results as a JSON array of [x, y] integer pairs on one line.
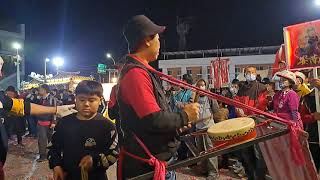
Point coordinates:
[[87, 105]]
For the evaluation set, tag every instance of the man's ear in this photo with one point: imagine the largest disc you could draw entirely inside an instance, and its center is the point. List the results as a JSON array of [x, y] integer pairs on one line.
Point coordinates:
[[148, 43]]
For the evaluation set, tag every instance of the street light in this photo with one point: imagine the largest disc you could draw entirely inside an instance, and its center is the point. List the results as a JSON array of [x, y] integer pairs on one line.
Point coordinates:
[[317, 2], [109, 56], [58, 61], [17, 46], [45, 69]]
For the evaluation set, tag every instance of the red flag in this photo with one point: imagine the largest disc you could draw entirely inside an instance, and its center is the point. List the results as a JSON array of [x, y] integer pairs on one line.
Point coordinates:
[[224, 73], [280, 56], [220, 72]]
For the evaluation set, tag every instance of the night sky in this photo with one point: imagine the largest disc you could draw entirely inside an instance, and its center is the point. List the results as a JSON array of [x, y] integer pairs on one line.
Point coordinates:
[[82, 31]]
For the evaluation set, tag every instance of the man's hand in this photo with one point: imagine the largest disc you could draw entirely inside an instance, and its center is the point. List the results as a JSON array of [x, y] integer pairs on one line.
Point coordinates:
[[65, 110], [192, 111], [185, 128], [52, 126], [316, 116], [240, 112], [58, 173], [180, 105], [86, 162]]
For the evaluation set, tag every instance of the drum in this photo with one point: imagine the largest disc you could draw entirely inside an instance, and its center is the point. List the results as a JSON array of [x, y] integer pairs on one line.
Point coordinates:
[[233, 131]]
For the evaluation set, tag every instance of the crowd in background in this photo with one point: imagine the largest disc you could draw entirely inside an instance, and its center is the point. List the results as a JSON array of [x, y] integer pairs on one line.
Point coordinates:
[[289, 95], [269, 95], [39, 127]]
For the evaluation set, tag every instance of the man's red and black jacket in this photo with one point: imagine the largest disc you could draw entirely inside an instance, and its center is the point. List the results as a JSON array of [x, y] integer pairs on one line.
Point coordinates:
[[145, 112], [253, 94]]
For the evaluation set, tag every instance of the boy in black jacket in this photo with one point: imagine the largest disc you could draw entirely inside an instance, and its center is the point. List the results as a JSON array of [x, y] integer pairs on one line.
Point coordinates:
[[84, 144]]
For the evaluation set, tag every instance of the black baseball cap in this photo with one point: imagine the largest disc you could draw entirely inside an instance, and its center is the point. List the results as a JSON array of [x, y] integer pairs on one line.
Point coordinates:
[[11, 89], [138, 28]]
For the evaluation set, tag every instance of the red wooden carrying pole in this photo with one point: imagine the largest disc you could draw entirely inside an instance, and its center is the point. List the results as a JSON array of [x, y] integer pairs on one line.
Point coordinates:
[[218, 97]]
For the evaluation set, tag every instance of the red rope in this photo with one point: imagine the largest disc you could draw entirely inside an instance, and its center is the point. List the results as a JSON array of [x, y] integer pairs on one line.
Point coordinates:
[[264, 123], [159, 166], [1, 172], [218, 97]]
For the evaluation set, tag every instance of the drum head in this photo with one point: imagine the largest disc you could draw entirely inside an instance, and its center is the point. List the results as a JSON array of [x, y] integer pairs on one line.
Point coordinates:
[[231, 128]]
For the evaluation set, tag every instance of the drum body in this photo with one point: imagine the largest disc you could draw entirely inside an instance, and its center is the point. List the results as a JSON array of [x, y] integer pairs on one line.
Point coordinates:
[[233, 131]]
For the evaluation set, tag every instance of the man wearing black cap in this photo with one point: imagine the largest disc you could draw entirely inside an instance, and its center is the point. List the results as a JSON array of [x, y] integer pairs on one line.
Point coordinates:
[[143, 107]]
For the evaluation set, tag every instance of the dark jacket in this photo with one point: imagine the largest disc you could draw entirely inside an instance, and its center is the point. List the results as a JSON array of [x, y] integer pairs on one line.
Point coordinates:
[[76, 138], [158, 131], [50, 100]]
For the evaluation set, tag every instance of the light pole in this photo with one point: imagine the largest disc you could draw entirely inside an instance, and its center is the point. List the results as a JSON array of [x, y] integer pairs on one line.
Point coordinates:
[[109, 56], [58, 61], [17, 46], [45, 69]]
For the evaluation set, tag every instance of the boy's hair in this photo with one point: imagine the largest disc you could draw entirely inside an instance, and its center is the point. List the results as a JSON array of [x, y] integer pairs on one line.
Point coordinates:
[[89, 87]]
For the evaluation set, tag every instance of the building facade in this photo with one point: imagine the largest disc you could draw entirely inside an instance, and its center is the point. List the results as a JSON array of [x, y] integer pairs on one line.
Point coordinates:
[[199, 67], [8, 35]]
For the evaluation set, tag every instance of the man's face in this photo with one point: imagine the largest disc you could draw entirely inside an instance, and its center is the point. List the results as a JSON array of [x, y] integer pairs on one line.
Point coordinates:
[[87, 105], [251, 70], [153, 47], [42, 92], [235, 86], [10, 94]]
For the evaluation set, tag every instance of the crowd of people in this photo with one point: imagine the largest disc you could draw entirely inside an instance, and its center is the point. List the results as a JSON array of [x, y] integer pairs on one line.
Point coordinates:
[[40, 127], [289, 95], [150, 120]]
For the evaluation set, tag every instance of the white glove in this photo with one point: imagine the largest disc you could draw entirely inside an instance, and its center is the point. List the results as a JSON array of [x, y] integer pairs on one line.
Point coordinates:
[[65, 110]]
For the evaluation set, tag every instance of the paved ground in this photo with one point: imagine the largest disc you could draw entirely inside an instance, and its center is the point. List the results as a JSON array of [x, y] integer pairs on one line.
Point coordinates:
[[21, 165]]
